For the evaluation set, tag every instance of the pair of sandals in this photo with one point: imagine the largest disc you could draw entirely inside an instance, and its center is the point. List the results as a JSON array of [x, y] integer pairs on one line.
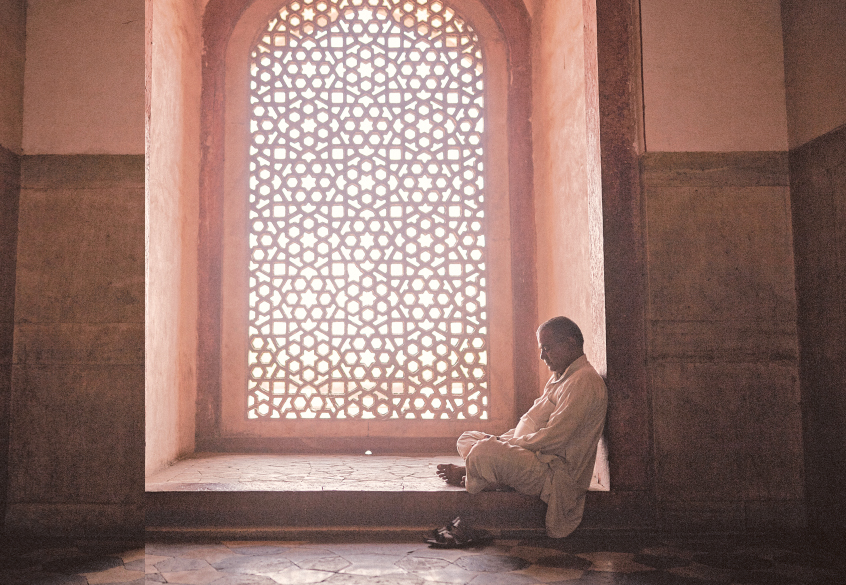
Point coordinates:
[[458, 534]]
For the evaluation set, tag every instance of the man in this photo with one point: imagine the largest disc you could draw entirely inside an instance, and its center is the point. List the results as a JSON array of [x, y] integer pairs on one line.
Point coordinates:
[[552, 450]]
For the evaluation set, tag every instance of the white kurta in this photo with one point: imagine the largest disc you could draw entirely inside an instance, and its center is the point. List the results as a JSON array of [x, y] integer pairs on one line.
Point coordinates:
[[552, 450]]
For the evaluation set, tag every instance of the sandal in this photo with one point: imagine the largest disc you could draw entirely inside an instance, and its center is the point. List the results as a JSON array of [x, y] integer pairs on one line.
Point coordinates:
[[457, 534]]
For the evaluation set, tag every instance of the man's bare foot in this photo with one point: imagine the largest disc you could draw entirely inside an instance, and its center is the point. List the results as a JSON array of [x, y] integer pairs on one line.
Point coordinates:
[[452, 474]]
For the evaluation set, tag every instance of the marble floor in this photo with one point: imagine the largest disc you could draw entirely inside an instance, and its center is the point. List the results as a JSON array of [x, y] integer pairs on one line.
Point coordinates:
[[581, 559], [273, 472]]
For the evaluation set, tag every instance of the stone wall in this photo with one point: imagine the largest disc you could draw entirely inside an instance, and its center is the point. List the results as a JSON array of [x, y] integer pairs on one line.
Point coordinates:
[[10, 173], [76, 456], [12, 51], [722, 341], [818, 192]]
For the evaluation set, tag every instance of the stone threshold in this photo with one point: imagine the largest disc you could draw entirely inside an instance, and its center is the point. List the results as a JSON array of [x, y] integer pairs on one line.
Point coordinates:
[[205, 472], [290, 496], [303, 473]]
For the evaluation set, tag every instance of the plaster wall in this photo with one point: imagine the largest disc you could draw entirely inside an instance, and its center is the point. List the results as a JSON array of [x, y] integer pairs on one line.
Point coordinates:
[[566, 164], [84, 79], [12, 50], [172, 221], [815, 85], [713, 75]]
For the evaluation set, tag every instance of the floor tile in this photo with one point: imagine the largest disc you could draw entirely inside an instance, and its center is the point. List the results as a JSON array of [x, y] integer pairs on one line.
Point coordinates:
[[582, 559]]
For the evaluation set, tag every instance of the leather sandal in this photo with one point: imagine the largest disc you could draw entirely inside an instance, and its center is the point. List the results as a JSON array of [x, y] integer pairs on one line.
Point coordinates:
[[457, 534]]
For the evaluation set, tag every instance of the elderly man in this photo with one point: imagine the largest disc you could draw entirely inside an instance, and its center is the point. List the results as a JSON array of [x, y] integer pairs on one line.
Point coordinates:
[[551, 451]]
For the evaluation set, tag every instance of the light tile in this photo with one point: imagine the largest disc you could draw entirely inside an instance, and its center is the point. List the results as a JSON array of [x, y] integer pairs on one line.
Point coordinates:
[[113, 575], [296, 576], [199, 577], [614, 562]]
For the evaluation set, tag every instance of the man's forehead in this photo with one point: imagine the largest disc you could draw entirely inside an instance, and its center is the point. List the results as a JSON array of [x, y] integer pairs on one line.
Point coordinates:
[[547, 337]]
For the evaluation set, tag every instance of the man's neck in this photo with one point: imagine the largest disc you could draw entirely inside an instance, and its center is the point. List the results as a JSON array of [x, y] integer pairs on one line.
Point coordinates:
[[558, 375]]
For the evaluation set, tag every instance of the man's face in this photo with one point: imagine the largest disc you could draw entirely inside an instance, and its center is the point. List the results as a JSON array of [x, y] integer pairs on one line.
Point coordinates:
[[556, 353]]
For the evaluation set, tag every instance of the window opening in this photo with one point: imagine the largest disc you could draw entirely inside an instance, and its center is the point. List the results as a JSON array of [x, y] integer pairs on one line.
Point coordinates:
[[368, 267]]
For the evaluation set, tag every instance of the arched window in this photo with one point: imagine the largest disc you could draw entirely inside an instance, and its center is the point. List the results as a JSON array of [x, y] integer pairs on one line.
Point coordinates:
[[367, 214], [365, 165]]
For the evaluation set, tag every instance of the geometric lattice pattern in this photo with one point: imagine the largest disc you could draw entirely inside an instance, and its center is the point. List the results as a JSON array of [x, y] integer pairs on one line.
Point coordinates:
[[367, 221]]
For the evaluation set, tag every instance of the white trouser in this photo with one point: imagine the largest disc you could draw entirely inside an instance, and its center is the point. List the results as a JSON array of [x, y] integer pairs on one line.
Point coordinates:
[[491, 462]]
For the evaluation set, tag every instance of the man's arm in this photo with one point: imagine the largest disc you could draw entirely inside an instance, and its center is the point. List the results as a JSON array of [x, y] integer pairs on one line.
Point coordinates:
[[507, 435], [577, 400]]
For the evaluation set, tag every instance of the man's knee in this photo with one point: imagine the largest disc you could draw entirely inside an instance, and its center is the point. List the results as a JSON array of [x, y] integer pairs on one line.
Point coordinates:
[[467, 441], [486, 453]]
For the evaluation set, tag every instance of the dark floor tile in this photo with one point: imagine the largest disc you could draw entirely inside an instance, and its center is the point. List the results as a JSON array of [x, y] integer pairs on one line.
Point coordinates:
[[592, 543], [565, 561], [599, 578], [503, 579], [155, 578], [43, 579], [108, 548], [82, 564], [762, 578], [660, 562], [733, 561], [167, 549], [483, 563], [137, 565], [16, 561], [805, 559], [637, 578]]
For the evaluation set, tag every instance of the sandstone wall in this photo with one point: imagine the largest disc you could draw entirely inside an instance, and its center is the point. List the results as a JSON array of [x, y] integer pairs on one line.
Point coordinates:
[[12, 48], [721, 306], [817, 123], [722, 340], [77, 449], [76, 446]]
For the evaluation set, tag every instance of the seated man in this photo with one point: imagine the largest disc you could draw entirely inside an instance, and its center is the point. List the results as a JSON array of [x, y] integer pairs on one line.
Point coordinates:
[[551, 451]]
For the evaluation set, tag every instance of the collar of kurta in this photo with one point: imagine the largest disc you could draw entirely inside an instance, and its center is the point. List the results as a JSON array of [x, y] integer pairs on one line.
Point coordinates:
[[574, 365]]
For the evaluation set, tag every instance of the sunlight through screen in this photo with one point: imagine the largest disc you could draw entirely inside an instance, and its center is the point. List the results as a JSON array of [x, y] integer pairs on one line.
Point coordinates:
[[367, 225]]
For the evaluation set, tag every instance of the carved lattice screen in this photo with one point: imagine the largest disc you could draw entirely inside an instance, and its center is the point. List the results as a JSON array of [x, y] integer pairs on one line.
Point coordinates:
[[367, 223]]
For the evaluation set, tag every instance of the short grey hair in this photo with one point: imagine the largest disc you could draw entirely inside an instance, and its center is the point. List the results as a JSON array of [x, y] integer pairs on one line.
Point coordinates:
[[563, 328]]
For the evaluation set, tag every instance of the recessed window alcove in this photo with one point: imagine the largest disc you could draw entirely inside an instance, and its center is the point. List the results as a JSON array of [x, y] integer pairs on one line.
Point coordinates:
[[547, 237]]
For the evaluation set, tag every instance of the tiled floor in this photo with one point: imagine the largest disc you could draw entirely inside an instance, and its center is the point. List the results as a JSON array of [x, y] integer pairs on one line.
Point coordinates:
[[271, 472], [267, 472], [581, 559]]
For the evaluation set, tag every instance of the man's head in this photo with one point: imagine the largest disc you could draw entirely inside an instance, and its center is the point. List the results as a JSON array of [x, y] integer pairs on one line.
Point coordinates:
[[560, 342]]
